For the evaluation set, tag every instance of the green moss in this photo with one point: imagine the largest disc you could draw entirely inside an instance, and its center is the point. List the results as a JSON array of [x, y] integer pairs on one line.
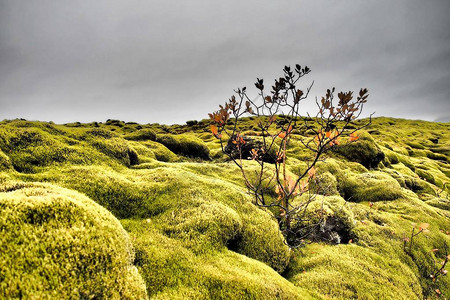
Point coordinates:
[[436, 156], [328, 219], [261, 239], [415, 145], [439, 202], [98, 133], [353, 272], [425, 175], [391, 157], [364, 151], [141, 135], [179, 273], [31, 148], [374, 186], [324, 184], [162, 153], [58, 243], [198, 235], [211, 224], [117, 123], [185, 145], [5, 162], [118, 149], [144, 153]]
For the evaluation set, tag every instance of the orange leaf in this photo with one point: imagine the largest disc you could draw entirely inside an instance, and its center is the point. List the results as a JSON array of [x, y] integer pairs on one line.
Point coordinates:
[[215, 131], [291, 183], [290, 129], [328, 134], [353, 137], [312, 172], [303, 185], [282, 135], [424, 226], [318, 138]]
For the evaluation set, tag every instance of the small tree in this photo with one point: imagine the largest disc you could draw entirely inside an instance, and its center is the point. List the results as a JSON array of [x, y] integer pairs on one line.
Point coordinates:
[[278, 121]]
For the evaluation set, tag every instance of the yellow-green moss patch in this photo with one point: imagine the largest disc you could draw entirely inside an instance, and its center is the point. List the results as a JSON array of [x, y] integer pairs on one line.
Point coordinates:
[[57, 243]]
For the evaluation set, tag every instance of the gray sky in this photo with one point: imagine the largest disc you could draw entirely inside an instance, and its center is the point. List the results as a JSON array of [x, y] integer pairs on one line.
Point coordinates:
[[172, 61]]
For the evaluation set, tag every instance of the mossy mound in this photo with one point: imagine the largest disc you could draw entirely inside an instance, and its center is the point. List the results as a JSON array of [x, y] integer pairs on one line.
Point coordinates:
[[179, 273], [329, 219], [373, 186], [56, 243], [31, 148], [161, 152], [189, 146], [364, 151], [352, 272], [141, 135], [324, 184], [211, 224], [98, 132], [118, 149], [5, 162]]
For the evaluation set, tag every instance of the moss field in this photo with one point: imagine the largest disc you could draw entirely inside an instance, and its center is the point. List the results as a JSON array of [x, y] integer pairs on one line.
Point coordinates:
[[120, 210]]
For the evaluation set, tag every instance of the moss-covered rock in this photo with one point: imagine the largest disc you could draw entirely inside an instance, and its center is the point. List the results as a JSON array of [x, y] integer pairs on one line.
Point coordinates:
[[141, 135], [353, 272], [98, 132], [328, 219], [185, 145], [364, 151], [179, 273], [113, 122], [211, 224], [324, 184], [31, 148], [374, 186], [261, 239], [118, 149], [56, 243], [161, 152], [5, 162]]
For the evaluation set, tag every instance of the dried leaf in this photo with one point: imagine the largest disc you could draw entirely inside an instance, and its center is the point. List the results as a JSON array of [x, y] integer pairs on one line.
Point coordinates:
[[353, 137], [424, 226], [215, 131], [312, 172]]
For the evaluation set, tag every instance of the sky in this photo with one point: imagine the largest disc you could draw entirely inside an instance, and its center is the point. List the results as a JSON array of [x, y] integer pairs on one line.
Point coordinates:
[[165, 61]]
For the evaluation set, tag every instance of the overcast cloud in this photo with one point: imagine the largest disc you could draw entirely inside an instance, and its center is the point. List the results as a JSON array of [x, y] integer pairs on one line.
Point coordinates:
[[172, 61]]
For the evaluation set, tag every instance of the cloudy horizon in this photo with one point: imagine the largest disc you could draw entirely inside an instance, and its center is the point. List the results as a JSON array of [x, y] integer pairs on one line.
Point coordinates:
[[169, 62]]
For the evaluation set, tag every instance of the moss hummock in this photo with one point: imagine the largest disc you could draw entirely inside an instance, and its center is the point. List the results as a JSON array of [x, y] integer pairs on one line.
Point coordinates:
[[57, 243]]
